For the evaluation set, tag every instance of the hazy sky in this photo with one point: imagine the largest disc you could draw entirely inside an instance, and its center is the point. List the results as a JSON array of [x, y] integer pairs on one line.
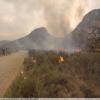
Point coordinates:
[[20, 17]]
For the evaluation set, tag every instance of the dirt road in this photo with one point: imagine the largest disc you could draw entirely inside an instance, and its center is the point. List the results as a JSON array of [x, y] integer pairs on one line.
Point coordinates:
[[10, 66]]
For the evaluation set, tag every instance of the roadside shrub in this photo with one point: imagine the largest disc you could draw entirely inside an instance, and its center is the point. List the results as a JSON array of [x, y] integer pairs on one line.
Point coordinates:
[[77, 76]]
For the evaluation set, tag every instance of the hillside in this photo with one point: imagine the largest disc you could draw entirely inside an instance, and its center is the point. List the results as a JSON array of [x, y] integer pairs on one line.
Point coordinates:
[[49, 73], [87, 34], [37, 39], [84, 37], [3, 42], [58, 75]]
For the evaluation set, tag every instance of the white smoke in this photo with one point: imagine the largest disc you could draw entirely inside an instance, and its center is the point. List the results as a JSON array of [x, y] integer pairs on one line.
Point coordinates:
[[60, 17]]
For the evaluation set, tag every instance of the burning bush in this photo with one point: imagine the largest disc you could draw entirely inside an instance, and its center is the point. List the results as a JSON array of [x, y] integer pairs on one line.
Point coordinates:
[[61, 59], [50, 74]]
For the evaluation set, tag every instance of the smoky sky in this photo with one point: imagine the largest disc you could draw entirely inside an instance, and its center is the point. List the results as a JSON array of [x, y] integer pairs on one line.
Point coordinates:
[[60, 17]]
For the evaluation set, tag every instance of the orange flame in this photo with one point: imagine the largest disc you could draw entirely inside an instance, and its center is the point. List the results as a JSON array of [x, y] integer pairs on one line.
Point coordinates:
[[61, 59], [34, 60]]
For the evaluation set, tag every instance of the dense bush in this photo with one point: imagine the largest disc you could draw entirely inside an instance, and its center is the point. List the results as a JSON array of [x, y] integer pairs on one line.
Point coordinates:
[[45, 76]]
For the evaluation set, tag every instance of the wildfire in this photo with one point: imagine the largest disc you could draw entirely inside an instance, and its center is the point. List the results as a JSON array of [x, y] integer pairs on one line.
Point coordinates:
[[61, 59], [34, 60]]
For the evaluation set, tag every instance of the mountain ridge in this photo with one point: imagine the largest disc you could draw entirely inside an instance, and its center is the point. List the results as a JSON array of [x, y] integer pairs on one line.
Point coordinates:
[[37, 39], [88, 29], [41, 39]]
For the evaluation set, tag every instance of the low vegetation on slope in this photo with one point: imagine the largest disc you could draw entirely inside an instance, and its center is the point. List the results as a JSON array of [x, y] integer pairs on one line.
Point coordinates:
[[51, 74]]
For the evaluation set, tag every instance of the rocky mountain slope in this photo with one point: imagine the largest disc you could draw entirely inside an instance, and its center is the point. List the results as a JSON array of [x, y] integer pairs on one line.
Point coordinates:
[[85, 34], [88, 30], [37, 39]]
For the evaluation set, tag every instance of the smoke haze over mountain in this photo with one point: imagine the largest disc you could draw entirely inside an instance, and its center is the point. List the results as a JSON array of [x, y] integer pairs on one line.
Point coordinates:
[[19, 17]]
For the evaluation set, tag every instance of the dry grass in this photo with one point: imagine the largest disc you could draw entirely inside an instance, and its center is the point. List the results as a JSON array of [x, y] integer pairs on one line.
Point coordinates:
[[77, 76]]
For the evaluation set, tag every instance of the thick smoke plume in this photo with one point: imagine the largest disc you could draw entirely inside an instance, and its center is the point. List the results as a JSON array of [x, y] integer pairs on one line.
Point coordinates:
[[59, 16], [18, 17]]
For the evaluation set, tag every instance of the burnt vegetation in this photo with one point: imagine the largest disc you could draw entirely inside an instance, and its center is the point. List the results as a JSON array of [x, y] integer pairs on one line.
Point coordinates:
[[58, 74]]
